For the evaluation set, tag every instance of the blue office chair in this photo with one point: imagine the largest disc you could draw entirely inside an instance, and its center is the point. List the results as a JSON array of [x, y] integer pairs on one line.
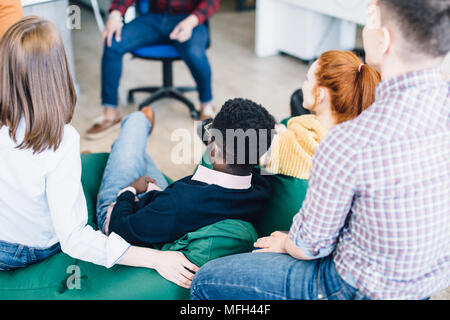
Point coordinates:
[[167, 54]]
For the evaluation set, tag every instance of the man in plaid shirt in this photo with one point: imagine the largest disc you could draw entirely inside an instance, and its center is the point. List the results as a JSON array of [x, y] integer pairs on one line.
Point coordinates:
[[375, 223], [180, 22]]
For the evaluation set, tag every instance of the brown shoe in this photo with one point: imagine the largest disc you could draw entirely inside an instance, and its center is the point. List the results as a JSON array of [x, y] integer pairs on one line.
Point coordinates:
[[102, 128], [150, 114]]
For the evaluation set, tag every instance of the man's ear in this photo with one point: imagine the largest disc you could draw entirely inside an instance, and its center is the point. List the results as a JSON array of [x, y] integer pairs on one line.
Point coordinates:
[[212, 151], [385, 41], [216, 154]]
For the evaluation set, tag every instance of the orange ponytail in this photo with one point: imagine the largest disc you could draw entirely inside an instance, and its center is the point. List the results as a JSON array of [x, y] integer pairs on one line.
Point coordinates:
[[350, 83]]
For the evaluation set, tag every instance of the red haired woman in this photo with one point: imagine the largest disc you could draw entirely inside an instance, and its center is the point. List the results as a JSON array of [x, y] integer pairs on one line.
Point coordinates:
[[338, 87]]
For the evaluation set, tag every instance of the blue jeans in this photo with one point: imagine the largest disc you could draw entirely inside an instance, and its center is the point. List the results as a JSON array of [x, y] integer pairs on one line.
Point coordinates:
[[155, 28], [14, 256], [270, 276], [127, 162]]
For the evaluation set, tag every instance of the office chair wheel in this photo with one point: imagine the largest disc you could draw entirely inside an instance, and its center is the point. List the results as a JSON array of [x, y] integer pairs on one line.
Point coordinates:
[[195, 114]]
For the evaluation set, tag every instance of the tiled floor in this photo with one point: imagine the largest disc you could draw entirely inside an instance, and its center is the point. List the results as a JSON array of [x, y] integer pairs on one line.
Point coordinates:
[[237, 72]]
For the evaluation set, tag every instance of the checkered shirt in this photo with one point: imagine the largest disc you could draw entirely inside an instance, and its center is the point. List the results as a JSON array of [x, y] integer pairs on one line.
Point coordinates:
[[379, 192], [203, 9]]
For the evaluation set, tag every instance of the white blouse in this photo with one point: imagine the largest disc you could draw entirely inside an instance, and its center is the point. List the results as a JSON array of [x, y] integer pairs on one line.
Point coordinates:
[[42, 201]]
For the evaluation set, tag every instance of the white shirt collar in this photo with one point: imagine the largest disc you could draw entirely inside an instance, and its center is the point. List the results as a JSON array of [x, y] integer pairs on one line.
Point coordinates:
[[224, 180]]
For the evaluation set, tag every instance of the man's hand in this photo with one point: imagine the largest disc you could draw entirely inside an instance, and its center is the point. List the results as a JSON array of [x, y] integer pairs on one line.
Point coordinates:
[[274, 243], [113, 26], [183, 31], [141, 184], [174, 266]]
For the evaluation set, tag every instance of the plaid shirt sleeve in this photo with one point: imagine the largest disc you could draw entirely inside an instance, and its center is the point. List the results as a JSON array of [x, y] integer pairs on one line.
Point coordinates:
[[121, 5], [332, 187], [205, 9]]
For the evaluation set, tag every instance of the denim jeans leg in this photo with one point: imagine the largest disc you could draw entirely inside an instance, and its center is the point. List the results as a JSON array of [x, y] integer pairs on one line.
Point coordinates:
[[153, 172], [252, 276], [41, 254], [127, 161], [330, 285], [193, 52], [14, 256], [142, 31], [9, 256]]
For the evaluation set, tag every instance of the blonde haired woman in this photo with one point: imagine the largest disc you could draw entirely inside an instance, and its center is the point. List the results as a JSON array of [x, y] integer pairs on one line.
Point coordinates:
[[42, 204]]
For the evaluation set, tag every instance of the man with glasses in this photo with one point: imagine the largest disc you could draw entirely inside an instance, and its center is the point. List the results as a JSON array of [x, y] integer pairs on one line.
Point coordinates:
[[375, 222]]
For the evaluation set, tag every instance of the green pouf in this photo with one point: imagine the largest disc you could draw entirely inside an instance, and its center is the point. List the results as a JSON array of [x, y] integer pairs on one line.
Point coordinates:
[[287, 198], [54, 278]]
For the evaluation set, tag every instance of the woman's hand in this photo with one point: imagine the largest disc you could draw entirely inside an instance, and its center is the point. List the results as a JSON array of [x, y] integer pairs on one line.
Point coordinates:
[[142, 184], [113, 26], [174, 266], [274, 243]]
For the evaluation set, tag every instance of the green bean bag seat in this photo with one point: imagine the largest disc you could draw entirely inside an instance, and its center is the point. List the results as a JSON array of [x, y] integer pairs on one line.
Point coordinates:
[[62, 277], [287, 199]]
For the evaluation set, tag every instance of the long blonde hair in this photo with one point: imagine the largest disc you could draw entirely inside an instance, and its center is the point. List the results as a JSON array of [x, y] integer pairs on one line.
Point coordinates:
[[35, 83]]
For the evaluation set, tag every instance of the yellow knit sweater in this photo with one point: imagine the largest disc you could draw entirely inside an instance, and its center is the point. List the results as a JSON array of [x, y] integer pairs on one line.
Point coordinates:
[[292, 150]]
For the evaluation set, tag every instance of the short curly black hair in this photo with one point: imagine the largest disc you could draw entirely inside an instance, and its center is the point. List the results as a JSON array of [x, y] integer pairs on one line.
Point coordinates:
[[246, 129]]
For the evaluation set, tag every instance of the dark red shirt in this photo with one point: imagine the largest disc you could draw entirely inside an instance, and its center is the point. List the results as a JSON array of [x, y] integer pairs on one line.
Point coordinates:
[[203, 9]]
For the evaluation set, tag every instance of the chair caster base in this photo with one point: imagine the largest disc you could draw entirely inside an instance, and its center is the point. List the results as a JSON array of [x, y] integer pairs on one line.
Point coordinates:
[[166, 92], [130, 99]]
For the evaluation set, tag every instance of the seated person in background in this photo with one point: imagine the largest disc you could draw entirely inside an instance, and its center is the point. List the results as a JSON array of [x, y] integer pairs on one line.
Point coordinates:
[[180, 23], [338, 87], [10, 12], [149, 212]]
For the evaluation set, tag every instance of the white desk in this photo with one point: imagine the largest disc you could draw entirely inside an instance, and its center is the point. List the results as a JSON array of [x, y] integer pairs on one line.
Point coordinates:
[[307, 28], [351, 10], [32, 2]]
